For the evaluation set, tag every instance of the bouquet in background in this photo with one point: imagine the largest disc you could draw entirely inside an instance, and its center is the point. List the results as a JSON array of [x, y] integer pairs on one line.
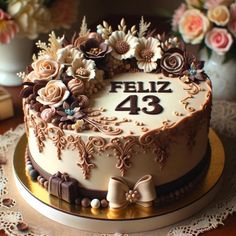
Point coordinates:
[[29, 18], [211, 23]]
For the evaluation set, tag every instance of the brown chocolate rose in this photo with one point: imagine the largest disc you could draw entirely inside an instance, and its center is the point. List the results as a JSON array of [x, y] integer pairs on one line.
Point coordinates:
[[172, 62], [54, 94]]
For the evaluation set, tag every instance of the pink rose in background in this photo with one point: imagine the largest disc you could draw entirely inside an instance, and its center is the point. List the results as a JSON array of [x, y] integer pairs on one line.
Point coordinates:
[[232, 23], [214, 3], [8, 28], [177, 15], [219, 40], [193, 26]]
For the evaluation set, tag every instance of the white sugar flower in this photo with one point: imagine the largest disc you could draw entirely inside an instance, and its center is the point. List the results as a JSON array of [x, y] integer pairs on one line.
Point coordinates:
[[82, 68], [123, 45], [68, 54], [147, 52], [31, 17]]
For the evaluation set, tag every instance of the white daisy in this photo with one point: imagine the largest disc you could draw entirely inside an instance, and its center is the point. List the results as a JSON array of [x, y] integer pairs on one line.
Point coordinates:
[[147, 52], [123, 45]]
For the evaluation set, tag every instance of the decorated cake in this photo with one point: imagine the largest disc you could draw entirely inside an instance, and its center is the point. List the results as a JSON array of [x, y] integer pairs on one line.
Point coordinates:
[[116, 116]]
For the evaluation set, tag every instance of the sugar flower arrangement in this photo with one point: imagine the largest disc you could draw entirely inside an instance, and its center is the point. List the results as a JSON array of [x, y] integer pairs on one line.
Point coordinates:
[[207, 22], [28, 18], [59, 83]]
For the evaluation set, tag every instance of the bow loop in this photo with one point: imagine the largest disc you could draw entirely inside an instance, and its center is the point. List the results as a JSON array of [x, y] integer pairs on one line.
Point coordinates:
[[120, 195]]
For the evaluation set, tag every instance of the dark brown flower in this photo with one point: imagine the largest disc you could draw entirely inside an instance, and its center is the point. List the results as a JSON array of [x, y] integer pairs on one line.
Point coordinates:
[[95, 49], [71, 112], [173, 62], [194, 71]]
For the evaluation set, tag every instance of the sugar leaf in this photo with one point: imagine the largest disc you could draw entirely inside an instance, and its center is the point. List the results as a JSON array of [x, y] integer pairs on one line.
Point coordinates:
[[84, 28], [143, 27]]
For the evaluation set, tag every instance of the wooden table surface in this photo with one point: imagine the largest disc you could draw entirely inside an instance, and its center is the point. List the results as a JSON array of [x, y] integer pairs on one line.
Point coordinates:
[[228, 229]]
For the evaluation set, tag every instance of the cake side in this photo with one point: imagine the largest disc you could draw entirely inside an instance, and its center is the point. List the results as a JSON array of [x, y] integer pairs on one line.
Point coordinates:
[[167, 151]]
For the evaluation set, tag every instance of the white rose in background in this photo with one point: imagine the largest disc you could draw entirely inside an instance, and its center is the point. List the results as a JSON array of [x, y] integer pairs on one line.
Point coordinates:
[[31, 17], [193, 26], [219, 15]]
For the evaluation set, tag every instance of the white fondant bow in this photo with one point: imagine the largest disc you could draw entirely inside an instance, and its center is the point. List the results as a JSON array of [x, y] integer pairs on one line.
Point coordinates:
[[120, 195]]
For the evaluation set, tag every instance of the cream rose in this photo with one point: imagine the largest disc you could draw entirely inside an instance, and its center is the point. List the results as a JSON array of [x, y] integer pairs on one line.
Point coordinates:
[[54, 94], [193, 26], [219, 40], [219, 15], [44, 69]]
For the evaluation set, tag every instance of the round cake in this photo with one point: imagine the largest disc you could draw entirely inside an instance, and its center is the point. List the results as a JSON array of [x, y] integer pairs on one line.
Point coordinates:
[[121, 116]]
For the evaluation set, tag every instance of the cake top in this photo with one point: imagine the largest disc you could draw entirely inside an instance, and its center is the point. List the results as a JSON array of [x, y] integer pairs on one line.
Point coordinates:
[[94, 80]]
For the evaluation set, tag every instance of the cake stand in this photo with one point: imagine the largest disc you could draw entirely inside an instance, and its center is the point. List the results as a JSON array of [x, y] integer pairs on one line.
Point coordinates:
[[130, 220]]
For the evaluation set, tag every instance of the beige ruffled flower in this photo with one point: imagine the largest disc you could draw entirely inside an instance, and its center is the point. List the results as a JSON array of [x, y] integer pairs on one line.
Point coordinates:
[[147, 52], [54, 94], [44, 69], [219, 15], [82, 68], [68, 54], [123, 45], [31, 17]]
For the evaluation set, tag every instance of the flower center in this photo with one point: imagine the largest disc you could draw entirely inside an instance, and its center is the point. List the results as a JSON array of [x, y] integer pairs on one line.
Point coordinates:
[[122, 47], [82, 71], [69, 112], [95, 51], [147, 54], [192, 71]]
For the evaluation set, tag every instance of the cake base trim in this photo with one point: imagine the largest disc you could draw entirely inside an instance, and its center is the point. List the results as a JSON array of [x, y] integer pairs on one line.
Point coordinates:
[[120, 221], [176, 187]]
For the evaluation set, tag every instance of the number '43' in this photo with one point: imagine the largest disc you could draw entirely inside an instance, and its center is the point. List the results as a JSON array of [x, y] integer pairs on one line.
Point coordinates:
[[131, 104]]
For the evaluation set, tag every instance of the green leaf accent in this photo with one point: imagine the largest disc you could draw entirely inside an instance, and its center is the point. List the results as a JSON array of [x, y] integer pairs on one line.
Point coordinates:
[[209, 52], [230, 54], [3, 5]]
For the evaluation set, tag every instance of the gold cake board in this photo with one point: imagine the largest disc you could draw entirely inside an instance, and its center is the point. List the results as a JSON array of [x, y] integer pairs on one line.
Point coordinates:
[[130, 220]]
